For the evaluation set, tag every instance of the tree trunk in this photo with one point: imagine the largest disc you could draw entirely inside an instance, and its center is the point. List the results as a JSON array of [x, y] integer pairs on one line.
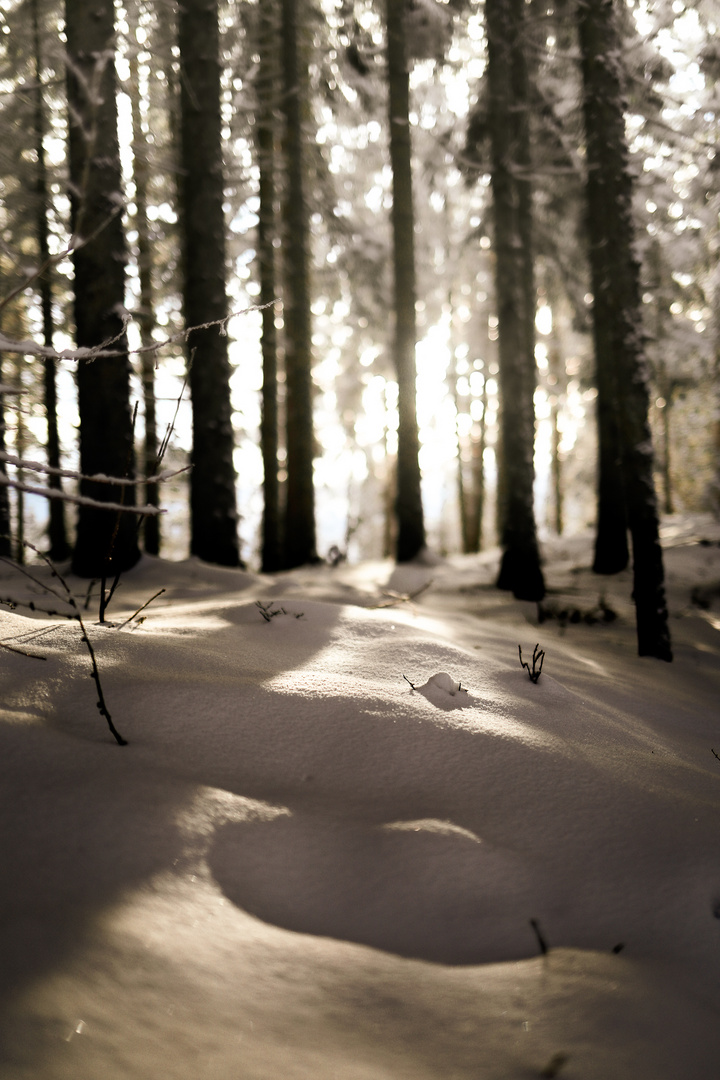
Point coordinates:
[[478, 478], [299, 532], [213, 508], [611, 545], [617, 310], [507, 84], [267, 97], [57, 533], [151, 527], [667, 499], [411, 525], [556, 373], [106, 542], [5, 539], [20, 449]]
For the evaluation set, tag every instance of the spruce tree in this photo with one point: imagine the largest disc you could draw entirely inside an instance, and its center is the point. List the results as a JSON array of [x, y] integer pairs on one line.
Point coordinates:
[[299, 525], [617, 310], [508, 106], [409, 508], [213, 509], [106, 542]]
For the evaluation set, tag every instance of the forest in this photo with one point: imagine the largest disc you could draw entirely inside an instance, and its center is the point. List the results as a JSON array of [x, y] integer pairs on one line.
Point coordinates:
[[359, 427], [309, 279]]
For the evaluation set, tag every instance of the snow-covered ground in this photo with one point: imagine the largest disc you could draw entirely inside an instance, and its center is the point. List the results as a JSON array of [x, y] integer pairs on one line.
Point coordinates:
[[303, 866]]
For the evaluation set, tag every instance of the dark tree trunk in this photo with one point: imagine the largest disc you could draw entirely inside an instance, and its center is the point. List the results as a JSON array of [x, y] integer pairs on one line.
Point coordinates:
[[5, 540], [57, 533], [151, 525], [299, 531], [611, 545], [106, 542], [411, 525], [268, 94], [20, 448], [213, 507], [617, 309], [508, 92]]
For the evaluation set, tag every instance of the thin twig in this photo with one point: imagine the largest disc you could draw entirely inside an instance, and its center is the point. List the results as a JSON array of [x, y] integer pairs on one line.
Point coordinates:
[[27, 573], [541, 940], [534, 672], [394, 598], [142, 608], [70, 599]]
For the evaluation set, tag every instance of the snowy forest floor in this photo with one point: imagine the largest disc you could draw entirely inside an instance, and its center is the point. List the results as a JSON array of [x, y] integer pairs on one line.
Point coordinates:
[[304, 868]]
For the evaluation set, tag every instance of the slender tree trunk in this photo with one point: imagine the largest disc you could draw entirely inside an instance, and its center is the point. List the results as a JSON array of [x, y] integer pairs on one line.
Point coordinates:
[[20, 449], [268, 94], [411, 525], [556, 471], [507, 81], [5, 540], [611, 544], [57, 533], [213, 508], [151, 527], [478, 478], [617, 309], [462, 497], [106, 542], [665, 460], [299, 532], [479, 440], [556, 371]]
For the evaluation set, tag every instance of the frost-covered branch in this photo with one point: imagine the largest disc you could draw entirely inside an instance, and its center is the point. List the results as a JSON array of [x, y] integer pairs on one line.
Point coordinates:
[[96, 478], [87, 354], [79, 500]]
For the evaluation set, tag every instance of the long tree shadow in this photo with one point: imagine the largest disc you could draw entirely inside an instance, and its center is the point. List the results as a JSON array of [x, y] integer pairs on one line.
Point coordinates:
[[85, 821], [419, 889]]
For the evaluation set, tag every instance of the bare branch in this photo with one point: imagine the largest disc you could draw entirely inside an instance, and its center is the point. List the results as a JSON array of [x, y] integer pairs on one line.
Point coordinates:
[[141, 608]]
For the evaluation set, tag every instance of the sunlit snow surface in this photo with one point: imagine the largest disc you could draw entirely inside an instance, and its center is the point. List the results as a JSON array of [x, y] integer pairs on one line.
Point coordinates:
[[339, 835]]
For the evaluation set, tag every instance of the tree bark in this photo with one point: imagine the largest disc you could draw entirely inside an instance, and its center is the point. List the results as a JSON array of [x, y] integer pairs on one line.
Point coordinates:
[[5, 538], [213, 507], [510, 179], [411, 525], [57, 532], [106, 541], [617, 310], [299, 531], [267, 98], [151, 525]]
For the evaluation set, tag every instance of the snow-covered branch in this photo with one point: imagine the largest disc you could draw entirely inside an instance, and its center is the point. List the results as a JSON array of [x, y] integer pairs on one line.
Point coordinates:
[[79, 500], [87, 355], [97, 478]]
